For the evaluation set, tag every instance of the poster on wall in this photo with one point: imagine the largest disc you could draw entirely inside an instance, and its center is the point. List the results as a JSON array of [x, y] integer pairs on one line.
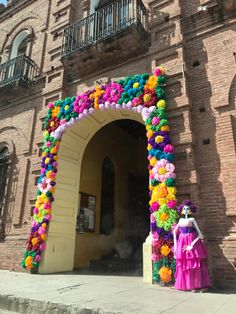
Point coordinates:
[[86, 213]]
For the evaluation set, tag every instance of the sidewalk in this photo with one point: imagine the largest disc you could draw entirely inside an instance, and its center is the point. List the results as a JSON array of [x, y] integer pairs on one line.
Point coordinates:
[[75, 293]]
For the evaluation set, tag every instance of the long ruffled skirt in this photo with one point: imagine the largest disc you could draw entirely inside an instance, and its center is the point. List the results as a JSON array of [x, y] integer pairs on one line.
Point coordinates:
[[191, 270]]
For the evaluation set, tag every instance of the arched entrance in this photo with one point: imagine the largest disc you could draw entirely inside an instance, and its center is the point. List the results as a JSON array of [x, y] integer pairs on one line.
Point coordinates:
[[140, 97], [62, 230], [113, 221]]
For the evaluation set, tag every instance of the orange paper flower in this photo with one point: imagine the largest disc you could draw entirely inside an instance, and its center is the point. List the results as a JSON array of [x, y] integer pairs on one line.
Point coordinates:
[[165, 250], [165, 274]]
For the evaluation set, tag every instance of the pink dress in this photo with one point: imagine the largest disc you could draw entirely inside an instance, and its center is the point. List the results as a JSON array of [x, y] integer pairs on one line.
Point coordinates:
[[191, 270]]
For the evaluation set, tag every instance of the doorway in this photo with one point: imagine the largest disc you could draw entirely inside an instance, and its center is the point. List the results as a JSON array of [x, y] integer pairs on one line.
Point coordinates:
[[114, 176]]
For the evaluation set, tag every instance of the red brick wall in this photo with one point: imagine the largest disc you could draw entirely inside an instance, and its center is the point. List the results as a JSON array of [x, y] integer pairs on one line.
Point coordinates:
[[197, 49]]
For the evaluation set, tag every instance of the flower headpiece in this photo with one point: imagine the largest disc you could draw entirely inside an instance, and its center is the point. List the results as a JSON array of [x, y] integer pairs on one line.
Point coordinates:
[[192, 207]]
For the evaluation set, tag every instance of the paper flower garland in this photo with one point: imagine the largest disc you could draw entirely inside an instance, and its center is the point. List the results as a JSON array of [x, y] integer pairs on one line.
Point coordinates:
[[144, 94]]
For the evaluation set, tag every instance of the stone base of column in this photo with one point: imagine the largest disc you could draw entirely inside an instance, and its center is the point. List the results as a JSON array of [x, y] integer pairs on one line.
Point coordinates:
[[147, 260]]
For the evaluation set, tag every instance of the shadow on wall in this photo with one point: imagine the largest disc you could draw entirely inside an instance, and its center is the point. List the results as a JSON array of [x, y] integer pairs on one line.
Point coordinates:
[[210, 196]]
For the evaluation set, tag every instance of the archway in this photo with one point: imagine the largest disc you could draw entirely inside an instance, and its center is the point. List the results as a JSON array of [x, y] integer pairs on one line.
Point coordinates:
[[70, 125], [113, 221]]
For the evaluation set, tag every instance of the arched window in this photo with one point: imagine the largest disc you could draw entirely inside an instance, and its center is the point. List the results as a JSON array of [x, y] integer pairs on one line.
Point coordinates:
[[4, 160], [19, 44], [107, 197], [23, 47], [17, 67]]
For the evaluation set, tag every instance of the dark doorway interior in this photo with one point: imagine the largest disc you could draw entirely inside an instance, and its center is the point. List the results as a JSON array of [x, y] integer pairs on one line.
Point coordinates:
[[124, 208], [107, 197]]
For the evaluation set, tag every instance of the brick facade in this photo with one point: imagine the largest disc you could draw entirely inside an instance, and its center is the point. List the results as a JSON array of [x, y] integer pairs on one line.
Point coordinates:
[[197, 46]]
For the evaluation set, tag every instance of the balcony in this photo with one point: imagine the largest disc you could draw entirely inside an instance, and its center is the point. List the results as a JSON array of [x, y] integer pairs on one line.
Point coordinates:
[[17, 73], [108, 36]]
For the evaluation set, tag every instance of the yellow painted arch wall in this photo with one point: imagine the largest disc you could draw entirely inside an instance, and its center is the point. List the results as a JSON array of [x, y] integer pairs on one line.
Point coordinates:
[[59, 255]]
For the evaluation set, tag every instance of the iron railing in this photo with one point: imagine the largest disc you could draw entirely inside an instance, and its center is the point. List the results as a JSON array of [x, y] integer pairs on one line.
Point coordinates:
[[104, 23], [19, 69]]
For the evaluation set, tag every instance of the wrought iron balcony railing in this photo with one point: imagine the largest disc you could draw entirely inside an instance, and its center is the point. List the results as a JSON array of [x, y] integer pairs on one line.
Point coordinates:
[[11, 6], [20, 69], [104, 23]]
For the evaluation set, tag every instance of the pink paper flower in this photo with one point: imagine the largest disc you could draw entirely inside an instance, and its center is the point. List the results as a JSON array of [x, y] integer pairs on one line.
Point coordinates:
[[168, 148], [45, 186], [112, 93], [155, 120], [171, 204], [163, 170]]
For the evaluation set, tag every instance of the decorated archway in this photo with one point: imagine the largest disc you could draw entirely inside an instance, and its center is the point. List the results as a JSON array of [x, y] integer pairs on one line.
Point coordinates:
[[138, 97]]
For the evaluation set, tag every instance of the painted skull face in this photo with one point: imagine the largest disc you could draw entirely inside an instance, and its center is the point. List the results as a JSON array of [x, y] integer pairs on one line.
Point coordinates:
[[186, 210]]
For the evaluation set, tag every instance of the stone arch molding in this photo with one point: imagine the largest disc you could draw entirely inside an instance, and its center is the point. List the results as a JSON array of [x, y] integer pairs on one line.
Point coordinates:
[[6, 142], [9, 37], [13, 136], [70, 125]]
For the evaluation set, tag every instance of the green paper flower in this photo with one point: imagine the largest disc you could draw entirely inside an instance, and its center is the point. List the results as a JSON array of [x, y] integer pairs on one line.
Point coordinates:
[[170, 182], [165, 217]]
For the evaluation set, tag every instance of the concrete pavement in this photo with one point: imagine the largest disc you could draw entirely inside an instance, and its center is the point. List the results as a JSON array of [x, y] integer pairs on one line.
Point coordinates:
[[77, 293]]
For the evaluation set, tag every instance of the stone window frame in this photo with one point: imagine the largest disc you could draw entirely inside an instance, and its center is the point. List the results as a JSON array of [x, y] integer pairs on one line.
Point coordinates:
[[11, 151], [7, 47], [22, 35]]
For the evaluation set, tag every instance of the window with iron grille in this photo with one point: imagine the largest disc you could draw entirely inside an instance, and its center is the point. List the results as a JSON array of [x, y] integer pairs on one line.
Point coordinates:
[[4, 161]]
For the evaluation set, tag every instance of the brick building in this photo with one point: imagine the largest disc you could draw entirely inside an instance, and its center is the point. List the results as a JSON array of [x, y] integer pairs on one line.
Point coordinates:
[[194, 39]]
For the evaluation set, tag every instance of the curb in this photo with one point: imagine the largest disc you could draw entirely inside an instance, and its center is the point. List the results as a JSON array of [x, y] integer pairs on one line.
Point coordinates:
[[29, 306]]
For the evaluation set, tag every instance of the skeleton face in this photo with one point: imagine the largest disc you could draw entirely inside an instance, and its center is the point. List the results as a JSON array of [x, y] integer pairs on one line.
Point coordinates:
[[186, 210]]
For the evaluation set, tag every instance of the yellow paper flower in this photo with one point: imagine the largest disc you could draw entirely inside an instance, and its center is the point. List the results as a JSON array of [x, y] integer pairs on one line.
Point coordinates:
[[95, 95], [55, 111], [159, 139], [34, 241], [149, 147], [162, 170], [161, 103], [153, 161], [146, 97], [151, 187], [151, 83], [165, 250], [171, 197], [165, 128], [43, 236], [29, 262], [162, 201], [171, 190], [48, 174], [161, 192], [150, 133], [136, 85], [53, 150]]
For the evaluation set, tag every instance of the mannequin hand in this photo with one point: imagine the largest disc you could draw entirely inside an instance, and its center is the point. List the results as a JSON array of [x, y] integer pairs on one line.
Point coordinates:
[[187, 248], [175, 249]]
